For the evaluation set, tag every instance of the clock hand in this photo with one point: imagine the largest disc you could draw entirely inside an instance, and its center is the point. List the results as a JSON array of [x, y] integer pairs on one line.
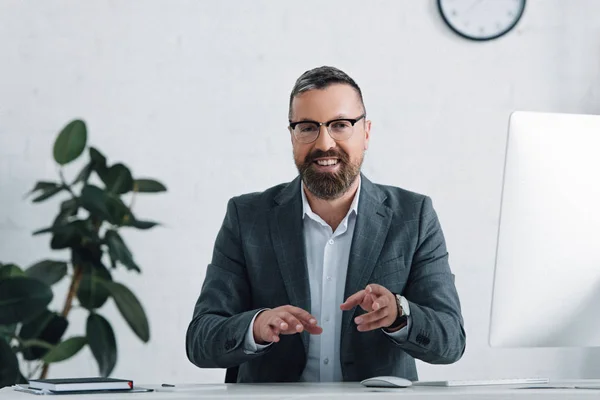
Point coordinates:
[[476, 2]]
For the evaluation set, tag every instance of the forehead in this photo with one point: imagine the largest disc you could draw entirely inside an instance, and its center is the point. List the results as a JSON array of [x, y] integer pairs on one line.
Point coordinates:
[[336, 100]]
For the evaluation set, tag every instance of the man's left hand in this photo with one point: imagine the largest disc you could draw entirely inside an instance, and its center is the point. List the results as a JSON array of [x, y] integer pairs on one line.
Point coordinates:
[[380, 305]]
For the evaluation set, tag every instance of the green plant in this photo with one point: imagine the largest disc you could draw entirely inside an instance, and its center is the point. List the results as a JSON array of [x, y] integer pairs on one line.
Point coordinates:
[[87, 225]]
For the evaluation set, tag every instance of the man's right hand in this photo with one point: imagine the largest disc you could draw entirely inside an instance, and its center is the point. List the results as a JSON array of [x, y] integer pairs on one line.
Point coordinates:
[[284, 320]]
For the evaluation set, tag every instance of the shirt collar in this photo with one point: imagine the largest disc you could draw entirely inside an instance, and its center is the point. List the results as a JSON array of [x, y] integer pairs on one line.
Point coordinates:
[[306, 210]]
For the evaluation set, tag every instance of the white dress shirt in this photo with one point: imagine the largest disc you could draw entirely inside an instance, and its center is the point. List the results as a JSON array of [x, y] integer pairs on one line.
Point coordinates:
[[327, 255]]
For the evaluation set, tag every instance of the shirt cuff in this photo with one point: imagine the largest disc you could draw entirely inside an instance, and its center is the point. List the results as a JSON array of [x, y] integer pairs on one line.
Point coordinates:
[[250, 346], [401, 335]]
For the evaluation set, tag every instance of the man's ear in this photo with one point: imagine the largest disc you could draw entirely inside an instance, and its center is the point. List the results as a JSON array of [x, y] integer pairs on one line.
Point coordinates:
[[367, 133]]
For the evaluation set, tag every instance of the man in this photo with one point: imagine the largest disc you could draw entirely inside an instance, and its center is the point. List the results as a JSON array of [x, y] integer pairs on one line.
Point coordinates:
[[329, 277]]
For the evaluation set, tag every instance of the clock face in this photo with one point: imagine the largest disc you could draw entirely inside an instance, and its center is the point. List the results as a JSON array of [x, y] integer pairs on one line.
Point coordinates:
[[481, 19]]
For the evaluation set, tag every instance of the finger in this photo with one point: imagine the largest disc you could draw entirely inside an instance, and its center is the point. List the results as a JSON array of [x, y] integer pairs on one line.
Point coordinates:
[[293, 324], [354, 300], [269, 334], [381, 323], [303, 315], [371, 317], [380, 302], [308, 321], [278, 324], [314, 330], [367, 302], [376, 289]]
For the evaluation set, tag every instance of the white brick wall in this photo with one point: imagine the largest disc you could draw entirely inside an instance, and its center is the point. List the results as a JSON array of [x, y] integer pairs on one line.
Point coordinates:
[[169, 88]]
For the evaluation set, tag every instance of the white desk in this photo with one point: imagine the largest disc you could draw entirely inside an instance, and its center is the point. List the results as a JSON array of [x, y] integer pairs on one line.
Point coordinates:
[[329, 391]]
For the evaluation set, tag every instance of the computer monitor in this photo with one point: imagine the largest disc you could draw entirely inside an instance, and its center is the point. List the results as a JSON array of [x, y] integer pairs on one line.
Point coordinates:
[[546, 290]]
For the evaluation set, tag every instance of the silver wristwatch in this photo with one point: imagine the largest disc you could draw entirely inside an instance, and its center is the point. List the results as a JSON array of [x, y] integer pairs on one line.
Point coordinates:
[[403, 311]]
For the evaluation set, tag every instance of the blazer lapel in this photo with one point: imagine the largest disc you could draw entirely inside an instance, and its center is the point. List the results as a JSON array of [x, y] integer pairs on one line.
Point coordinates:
[[287, 235], [372, 225]]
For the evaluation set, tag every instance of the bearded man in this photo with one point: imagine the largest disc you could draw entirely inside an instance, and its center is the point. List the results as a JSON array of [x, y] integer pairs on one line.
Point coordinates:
[[329, 277]]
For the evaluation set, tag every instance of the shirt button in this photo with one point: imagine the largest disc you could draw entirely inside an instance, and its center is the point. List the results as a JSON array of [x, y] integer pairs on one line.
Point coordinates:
[[326, 319], [330, 241], [329, 278], [326, 361]]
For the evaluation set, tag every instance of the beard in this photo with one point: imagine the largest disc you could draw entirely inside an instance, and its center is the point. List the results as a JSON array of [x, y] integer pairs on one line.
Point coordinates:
[[329, 185]]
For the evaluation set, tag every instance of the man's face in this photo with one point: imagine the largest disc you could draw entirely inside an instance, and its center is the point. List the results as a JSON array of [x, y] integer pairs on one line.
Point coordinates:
[[328, 167]]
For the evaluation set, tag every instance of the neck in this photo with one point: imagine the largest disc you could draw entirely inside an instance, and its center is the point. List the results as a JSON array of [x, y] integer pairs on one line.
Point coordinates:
[[332, 211]]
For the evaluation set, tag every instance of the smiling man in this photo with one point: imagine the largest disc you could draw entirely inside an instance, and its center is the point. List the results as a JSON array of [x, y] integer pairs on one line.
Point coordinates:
[[329, 277]]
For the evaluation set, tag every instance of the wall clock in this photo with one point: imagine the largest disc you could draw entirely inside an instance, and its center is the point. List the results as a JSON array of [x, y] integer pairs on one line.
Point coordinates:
[[481, 19]]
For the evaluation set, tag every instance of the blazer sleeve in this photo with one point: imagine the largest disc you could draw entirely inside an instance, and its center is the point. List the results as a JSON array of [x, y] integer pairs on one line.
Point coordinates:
[[437, 335], [221, 318]]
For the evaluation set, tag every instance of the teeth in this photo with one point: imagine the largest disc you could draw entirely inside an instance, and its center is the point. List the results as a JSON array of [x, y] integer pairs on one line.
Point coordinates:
[[327, 162]]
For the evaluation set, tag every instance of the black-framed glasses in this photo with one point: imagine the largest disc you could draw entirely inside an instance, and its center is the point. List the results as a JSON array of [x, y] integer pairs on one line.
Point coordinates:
[[339, 129]]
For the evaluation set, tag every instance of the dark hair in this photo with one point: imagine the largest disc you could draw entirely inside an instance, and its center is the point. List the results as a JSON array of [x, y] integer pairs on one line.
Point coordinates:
[[320, 78]]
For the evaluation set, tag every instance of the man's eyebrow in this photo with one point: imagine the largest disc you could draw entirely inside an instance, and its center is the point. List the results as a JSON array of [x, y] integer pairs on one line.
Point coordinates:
[[336, 117]]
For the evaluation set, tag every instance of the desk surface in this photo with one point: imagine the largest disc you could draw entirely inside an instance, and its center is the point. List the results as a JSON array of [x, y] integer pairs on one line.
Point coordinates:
[[332, 391]]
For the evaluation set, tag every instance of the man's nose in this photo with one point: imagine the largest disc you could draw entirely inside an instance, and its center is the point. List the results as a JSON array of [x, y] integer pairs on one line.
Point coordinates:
[[324, 141]]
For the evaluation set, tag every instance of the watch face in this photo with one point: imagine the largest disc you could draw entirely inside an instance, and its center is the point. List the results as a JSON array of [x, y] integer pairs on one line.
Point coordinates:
[[481, 19], [399, 304]]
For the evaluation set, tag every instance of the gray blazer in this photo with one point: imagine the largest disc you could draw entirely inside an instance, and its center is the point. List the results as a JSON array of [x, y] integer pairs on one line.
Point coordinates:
[[259, 262]]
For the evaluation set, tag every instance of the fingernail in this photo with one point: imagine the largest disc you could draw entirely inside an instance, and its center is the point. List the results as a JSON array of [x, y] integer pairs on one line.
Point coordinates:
[[298, 327], [375, 306], [313, 321], [358, 320], [369, 289]]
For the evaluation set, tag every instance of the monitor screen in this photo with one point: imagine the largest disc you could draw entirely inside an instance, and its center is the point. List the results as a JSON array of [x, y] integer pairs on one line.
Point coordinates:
[[546, 290]]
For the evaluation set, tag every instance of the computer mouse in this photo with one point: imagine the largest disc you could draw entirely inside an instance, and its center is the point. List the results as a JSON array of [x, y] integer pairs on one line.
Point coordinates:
[[386, 381]]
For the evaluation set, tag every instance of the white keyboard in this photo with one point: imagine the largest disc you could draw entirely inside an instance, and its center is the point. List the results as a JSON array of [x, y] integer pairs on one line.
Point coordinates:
[[487, 382]]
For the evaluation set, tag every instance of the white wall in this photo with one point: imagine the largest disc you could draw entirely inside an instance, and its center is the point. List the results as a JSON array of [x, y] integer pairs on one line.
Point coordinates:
[[195, 93]]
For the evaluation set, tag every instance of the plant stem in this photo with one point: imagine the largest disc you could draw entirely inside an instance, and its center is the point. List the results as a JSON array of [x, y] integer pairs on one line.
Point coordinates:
[[68, 303], [64, 182], [33, 342], [72, 290], [32, 372]]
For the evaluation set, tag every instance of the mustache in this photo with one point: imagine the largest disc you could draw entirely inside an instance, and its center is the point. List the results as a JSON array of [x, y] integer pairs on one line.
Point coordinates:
[[337, 153]]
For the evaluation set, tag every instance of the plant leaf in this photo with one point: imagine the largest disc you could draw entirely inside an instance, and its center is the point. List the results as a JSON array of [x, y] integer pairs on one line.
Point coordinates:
[[47, 193], [97, 158], [9, 365], [101, 339], [148, 186], [48, 271], [84, 174], [93, 199], [118, 179], [43, 185], [118, 249], [45, 230], [119, 212], [48, 327], [130, 309], [139, 224], [64, 236], [91, 292], [65, 350], [8, 270], [22, 298], [70, 142], [68, 209], [7, 332]]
